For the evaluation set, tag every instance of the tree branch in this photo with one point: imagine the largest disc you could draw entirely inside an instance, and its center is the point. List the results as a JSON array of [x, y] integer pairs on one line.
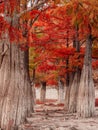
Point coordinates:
[[31, 8], [82, 42]]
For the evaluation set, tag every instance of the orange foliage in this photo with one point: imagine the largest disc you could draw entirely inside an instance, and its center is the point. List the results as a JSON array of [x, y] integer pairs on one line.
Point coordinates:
[[95, 64]]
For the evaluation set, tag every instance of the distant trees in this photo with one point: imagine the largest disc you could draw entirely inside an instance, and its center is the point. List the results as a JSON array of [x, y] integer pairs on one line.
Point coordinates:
[[68, 27]]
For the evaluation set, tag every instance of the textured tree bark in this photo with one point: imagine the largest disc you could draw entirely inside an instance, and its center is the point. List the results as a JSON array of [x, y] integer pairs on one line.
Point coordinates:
[[76, 79], [67, 93], [60, 91], [33, 86], [74, 93], [67, 87], [16, 102], [15, 90], [86, 95], [43, 91]]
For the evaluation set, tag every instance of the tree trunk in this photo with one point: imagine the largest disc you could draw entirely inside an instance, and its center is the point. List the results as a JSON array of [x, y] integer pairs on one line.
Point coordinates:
[[74, 93], [67, 78], [60, 91], [33, 86], [86, 97], [76, 79], [43, 91], [16, 102], [15, 90], [67, 93]]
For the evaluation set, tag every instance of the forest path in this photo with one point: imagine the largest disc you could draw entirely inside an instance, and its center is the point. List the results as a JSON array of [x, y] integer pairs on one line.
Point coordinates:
[[51, 116]]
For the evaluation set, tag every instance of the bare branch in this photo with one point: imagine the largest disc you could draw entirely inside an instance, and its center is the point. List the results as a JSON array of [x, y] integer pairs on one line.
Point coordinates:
[[29, 9], [82, 42], [35, 2]]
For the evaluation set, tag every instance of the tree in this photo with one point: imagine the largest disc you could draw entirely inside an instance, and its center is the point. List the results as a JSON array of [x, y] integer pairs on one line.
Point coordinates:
[[16, 100], [86, 94], [60, 90], [86, 98], [83, 20], [76, 76], [85, 27], [43, 91]]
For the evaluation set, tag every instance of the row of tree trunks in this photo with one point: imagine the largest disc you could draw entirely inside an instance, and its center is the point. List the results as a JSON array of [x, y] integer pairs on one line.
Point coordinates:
[[60, 91], [80, 95]]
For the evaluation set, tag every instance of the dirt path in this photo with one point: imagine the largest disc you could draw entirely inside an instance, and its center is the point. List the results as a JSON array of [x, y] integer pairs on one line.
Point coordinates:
[[53, 117]]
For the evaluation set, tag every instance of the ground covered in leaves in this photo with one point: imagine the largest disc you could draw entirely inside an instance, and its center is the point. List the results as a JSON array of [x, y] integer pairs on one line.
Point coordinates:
[[51, 116]]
